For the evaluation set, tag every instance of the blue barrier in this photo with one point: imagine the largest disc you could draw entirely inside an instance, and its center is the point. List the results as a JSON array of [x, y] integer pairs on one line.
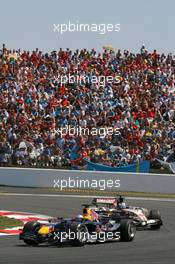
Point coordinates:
[[142, 167]]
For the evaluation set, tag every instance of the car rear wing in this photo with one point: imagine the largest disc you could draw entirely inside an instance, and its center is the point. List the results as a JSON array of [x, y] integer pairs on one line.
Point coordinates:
[[105, 200]]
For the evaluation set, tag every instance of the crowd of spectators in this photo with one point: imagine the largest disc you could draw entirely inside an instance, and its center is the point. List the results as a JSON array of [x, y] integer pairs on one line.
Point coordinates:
[[34, 105]]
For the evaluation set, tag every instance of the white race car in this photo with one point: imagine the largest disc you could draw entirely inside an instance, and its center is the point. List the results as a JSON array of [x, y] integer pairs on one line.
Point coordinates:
[[114, 207]]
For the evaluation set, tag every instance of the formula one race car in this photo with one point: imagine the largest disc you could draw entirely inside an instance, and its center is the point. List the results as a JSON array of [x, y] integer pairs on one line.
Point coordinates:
[[143, 218], [79, 231]]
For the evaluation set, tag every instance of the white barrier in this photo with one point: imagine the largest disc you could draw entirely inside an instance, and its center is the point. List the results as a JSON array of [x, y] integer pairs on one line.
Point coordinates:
[[52, 178]]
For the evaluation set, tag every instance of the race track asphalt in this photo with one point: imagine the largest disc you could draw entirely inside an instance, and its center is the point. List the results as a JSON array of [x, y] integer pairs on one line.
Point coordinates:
[[149, 247]]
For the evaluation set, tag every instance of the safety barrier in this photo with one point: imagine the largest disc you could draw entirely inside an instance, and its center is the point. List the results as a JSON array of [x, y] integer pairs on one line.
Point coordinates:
[[61, 179]]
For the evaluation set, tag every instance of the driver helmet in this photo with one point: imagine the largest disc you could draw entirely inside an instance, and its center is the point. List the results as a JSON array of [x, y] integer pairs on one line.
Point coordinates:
[[79, 217], [122, 205]]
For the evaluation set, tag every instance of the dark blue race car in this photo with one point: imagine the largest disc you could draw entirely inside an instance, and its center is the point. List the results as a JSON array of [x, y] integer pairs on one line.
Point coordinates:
[[78, 231]]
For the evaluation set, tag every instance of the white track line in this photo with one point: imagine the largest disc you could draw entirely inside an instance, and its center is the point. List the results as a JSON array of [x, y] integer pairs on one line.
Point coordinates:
[[86, 196]]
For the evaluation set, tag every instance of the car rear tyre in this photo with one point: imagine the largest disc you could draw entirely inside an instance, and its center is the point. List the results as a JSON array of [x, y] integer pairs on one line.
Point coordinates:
[[78, 235], [127, 230]]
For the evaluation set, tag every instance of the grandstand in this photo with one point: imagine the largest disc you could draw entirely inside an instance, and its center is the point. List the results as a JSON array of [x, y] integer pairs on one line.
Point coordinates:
[[36, 104]]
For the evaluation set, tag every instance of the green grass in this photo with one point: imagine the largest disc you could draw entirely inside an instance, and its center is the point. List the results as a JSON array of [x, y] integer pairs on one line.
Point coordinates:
[[93, 192], [6, 222], [111, 193]]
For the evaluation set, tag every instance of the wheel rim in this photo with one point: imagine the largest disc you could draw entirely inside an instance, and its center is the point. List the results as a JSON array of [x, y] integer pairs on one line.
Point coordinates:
[[131, 230], [82, 235]]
